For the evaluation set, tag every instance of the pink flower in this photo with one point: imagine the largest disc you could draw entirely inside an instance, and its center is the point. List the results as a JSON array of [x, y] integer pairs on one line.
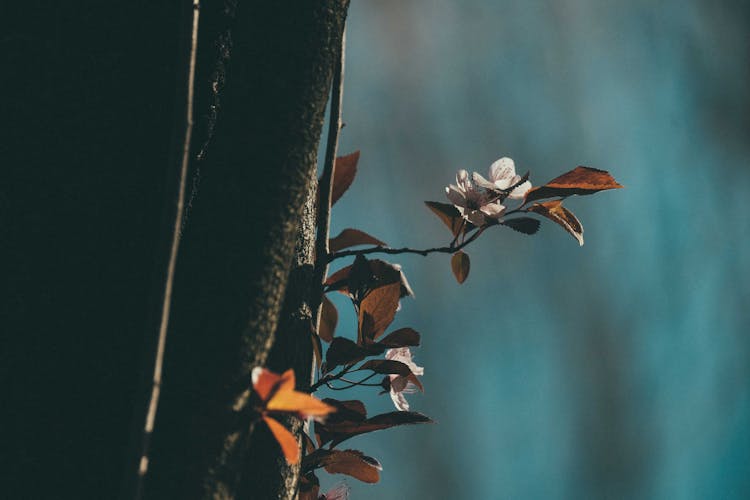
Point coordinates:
[[502, 176], [338, 492], [401, 384], [474, 205]]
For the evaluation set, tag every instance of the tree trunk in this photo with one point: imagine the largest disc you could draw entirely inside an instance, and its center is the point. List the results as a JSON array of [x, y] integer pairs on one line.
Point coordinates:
[[95, 100], [237, 256]]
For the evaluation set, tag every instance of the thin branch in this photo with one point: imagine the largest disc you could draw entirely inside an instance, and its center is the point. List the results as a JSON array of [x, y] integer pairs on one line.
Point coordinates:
[[325, 186], [394, 251], [330, 377], [176, 231]]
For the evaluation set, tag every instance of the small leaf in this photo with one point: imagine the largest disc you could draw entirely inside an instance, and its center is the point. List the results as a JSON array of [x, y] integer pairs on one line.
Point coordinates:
[[338, 280], [329, 318], [343, 351], [580, 181], [377, 310], [339, 431], [460, 265], [360, 278], [353, 463], [404, 337], [345, 168], [554, 211], [352, 238], [351, 409], [448, 214], [386, 367], [278, 394], [365, 275], [525, 225], [267, 383], [286, 440]]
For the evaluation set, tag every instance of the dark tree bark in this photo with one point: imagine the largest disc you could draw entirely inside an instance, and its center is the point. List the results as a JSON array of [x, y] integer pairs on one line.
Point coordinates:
[[95, 94]]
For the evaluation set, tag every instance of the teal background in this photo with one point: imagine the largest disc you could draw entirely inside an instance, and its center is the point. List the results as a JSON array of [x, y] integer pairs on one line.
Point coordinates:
[[617, 370]]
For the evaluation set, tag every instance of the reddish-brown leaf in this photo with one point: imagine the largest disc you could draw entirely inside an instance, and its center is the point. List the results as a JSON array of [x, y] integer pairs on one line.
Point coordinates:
[[448, 214], [352, 409], [365, 275], [525, 225], [386, 367], [352, 238], [460, 266], [377, 310], [580, 180], [353, 463], [343, 351], [329, 318], [286, 440], [338, 279], [345, 168], [554, 211], [339, 431], [403, 337]]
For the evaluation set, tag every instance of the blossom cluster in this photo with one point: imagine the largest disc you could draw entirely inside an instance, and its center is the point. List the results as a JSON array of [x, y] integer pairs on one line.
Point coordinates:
[[479, 200]]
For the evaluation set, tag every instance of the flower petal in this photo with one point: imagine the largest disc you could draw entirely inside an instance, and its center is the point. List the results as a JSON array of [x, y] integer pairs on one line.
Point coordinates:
[[482, 182], [520, 191], [493, 210], [504, 168], [455, 196], [399, 401], [462, 179]]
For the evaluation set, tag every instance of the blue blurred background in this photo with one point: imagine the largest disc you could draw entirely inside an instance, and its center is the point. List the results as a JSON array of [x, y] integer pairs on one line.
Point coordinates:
[[617, 370]]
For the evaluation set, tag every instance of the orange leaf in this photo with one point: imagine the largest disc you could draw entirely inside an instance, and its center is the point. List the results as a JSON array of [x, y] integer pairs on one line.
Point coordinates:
[[353, 463], [298, 402], [580, 180], [265, 382], [287, 382], [329, 318], [460, 265], [554, 211], [377, 311], [345, 168], [352, 238], [286, 440]]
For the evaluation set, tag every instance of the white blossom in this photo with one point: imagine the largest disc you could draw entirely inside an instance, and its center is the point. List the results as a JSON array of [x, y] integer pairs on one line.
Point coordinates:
[[401, 384], [502, 175], [474, 205]]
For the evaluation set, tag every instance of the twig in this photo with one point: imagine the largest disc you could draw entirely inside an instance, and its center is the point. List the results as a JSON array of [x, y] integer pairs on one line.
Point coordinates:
[[393, 251], [325, 186], [330, 377], [176, 231]]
